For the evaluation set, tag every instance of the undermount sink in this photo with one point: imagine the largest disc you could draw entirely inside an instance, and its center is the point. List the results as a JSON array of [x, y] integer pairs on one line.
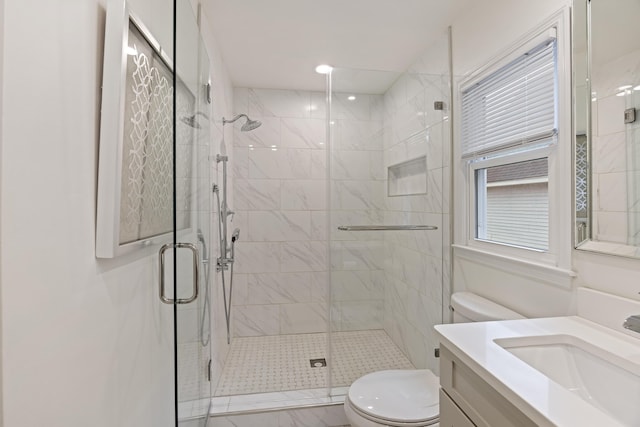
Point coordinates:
[[601, 378]]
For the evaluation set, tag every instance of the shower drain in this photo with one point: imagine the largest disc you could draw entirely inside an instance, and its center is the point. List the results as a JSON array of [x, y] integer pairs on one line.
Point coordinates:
[[318, 363]]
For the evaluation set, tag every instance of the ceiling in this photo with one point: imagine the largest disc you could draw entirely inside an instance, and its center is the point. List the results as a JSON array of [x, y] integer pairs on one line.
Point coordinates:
[[276, 44]]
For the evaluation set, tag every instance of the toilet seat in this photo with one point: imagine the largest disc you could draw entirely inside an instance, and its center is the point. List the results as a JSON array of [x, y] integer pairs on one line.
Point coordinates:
[[360, 419], [402, 398]]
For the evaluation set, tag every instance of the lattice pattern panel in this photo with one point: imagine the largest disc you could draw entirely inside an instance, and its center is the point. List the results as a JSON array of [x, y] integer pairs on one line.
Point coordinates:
[[582, 174], [146, 204]]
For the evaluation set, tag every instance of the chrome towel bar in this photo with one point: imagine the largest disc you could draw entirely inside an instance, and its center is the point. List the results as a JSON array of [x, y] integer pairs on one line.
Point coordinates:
[[385, 227]]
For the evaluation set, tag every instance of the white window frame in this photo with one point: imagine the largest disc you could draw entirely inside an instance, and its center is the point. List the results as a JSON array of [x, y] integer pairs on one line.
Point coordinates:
[[554, 265], [504, 248]]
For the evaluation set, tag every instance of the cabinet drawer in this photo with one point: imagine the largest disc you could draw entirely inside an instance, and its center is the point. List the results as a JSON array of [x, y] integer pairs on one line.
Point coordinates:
[[482, 404], [450, 414]]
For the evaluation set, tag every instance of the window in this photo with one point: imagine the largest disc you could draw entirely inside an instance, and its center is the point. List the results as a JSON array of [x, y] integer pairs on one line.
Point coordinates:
[[512, 204], [509, 131]]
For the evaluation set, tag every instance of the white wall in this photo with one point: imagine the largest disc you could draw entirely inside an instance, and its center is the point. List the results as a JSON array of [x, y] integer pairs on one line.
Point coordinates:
[[485, 29], [85, 341], [478, 36]]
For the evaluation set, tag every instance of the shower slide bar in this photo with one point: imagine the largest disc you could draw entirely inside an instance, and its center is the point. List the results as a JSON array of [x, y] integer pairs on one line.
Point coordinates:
[[385, 227]]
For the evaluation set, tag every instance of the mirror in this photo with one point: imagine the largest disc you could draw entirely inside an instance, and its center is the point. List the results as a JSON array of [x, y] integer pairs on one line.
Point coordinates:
[[607, 126]]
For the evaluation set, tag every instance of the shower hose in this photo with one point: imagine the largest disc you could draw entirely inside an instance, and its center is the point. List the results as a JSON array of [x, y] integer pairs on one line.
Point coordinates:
[[223, 251]]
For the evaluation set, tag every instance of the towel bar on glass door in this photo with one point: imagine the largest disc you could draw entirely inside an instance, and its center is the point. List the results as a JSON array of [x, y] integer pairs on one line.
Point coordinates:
[[385, 227]]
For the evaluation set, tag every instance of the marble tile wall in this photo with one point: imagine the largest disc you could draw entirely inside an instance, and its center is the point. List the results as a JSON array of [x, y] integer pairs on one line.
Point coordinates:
[[357, 198], [279, 200], [417, 262], [616, 158], [392, 280]]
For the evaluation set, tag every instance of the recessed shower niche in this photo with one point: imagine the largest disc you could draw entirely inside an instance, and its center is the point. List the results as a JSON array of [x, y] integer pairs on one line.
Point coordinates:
[[408, 177]]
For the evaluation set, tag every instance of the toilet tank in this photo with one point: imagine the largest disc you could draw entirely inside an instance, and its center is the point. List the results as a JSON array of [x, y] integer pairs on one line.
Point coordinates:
[[469, 307]]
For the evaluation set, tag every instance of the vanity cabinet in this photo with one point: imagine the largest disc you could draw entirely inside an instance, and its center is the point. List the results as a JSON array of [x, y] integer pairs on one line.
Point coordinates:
[[450, 414], [466, 400]]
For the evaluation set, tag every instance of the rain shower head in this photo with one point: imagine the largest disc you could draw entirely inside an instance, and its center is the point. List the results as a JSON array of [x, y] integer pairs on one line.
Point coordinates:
[[191, 120], [249, 125]]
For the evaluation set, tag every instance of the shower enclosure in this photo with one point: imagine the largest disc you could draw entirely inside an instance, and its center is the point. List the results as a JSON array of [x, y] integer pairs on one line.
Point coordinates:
[[194, 336], [341, 197]]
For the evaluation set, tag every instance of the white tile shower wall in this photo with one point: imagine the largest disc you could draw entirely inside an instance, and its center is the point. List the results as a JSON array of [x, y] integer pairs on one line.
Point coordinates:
[[280, 200], [357, 192], [417, 262], [279, 188], [616, 204]]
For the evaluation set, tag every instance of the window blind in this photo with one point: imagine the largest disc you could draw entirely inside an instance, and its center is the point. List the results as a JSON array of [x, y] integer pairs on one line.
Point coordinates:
[[512, 106], [518, 215]]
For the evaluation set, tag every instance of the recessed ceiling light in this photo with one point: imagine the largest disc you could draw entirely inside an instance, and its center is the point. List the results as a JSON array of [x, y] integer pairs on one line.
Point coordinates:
[[620, 93], [636, 87], [351, 98], [324, 69], [624, 87]]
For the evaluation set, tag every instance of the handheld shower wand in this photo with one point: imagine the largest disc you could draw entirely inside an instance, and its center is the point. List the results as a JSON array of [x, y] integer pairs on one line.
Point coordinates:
[[205, 256]]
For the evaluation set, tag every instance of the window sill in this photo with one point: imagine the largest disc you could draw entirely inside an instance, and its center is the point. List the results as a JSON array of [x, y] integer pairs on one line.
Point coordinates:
[[610, 248], [549, 274]]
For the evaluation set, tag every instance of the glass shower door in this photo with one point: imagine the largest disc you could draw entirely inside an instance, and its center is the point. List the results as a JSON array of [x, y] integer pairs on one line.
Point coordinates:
[[388, 219], [192, 234]]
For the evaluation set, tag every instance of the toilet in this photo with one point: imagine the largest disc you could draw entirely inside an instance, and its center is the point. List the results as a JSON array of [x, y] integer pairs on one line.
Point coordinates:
[[409, 398]]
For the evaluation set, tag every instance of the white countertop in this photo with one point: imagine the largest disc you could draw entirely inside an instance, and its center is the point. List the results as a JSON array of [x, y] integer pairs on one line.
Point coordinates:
[[544, 401]]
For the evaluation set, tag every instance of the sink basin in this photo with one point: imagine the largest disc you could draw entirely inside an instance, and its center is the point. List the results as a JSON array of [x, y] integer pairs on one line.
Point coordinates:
[[601, 378]]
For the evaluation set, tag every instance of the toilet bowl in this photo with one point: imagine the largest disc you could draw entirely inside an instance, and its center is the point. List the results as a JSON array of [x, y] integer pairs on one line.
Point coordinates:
[[400, 398], [409, 398]]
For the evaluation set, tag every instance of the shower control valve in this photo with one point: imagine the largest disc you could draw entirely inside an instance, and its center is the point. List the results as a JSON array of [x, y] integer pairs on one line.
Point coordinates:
[[221, 264]]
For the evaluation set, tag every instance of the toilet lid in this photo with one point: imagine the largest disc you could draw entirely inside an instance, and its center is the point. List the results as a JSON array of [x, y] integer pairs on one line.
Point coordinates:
[[397, 395]]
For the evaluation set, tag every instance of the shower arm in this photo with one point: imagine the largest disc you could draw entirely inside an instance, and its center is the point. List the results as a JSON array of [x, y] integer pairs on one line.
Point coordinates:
[[225, 121]]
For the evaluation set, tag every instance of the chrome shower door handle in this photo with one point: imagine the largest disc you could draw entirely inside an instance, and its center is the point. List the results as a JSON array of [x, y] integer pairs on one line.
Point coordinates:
[[196, 274]]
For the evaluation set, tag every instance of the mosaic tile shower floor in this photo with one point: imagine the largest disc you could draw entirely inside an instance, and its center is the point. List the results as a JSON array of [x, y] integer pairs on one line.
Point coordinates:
[[279, 363]]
